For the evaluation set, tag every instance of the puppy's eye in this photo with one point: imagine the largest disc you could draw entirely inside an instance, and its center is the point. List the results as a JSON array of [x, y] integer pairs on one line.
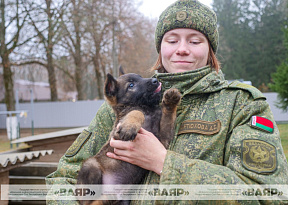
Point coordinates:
[[131, 85]]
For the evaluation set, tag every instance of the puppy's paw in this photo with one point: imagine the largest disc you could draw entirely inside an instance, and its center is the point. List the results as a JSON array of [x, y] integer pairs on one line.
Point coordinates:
[[126, 131], [129, 126], [171, 98]]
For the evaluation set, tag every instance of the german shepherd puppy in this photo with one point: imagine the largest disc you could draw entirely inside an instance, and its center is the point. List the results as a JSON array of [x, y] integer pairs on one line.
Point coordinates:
[[135, 101]]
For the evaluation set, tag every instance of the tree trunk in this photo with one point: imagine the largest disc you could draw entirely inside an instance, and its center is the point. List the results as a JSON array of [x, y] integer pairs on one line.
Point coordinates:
[[99, 85], [8, 82], [4, 53], [51, 76], [78, 76], [78, 59], [49, 53], [98, 76]]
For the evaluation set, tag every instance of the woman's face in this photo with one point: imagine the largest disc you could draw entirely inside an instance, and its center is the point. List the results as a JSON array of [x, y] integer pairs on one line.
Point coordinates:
[[184, 49]]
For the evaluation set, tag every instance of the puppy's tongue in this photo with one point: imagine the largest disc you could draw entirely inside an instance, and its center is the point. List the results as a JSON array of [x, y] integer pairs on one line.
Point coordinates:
[[158, 89]]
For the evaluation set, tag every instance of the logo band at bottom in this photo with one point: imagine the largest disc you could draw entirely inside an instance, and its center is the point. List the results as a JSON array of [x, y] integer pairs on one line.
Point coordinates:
[[144, 192]]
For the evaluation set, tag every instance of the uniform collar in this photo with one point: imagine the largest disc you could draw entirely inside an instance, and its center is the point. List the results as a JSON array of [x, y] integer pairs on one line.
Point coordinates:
[[202, 80]]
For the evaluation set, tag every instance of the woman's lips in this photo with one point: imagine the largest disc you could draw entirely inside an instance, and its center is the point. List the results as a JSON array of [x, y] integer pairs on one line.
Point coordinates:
[[182, 62]]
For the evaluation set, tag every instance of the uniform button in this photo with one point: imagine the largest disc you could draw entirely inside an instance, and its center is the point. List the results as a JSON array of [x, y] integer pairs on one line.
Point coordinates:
[[167, 85]]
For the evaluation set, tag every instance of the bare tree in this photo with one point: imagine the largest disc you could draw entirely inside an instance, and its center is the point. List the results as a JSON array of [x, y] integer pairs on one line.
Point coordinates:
[[45, 17], [99, 24], [117, 34], [74, 29], [137, 51], [12, 20]]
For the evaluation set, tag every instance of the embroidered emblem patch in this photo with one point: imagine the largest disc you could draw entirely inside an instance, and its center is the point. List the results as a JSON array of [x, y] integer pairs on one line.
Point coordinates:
[[181, 15], [78, 143], [262, 124], [200, 127], [258, 156]]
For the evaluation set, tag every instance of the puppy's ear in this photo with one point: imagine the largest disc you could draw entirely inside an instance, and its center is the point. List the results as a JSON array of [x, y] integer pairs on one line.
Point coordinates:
[[111, 86], [121, 71]]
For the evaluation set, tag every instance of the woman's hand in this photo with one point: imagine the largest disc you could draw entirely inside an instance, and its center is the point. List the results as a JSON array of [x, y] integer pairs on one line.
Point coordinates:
[[145, 151]]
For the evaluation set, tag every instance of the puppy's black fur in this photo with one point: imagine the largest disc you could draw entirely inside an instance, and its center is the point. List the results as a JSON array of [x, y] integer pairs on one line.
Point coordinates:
[[135, 101]]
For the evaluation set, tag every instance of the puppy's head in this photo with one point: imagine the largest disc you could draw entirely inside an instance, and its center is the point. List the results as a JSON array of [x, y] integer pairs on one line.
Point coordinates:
[[132, 89]]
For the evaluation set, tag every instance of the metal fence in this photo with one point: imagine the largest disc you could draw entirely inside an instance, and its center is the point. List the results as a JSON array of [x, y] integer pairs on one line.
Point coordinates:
[[279, 115], [55, 114], [80, 113]]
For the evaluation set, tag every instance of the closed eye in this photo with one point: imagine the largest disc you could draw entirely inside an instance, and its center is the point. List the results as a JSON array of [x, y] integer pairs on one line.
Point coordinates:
[[172, 42], [195, 42]]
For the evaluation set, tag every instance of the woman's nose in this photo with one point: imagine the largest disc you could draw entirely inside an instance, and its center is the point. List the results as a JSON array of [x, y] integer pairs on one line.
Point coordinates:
[[183, 49]]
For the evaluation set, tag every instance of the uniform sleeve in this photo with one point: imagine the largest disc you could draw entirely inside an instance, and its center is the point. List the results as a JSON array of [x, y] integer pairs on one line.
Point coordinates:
[[251, 156], [86, 145]]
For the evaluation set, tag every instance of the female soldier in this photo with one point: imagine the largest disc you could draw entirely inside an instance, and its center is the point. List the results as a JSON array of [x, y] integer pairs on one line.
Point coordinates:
[[224, 134]]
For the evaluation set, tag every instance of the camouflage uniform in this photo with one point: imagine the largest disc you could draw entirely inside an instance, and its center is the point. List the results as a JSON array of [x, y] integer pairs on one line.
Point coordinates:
[[213, 134]]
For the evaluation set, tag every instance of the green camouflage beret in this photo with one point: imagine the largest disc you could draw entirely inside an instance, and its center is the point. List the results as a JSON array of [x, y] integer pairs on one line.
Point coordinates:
[[188, 14]]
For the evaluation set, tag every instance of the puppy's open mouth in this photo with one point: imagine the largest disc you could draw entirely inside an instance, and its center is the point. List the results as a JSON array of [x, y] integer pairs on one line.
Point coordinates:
[[158, 89]]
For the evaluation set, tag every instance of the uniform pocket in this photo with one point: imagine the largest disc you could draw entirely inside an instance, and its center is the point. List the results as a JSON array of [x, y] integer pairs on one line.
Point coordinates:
[[78, 143]]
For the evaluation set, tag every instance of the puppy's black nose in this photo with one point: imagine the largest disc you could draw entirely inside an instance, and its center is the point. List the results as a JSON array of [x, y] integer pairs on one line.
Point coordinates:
[[154, 80]]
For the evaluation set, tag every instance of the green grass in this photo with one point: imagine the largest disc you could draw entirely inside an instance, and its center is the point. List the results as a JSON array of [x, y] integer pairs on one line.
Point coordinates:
[[283, 128], [4, 145], [24, 132]]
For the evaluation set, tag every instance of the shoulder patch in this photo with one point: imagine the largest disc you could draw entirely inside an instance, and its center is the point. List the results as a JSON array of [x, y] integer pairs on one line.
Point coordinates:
[[258, 156], [262, 123], [78, 143], [254, 91]]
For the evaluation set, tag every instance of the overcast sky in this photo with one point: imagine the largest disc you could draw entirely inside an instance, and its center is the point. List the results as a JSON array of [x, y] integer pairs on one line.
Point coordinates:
[[153, 8]]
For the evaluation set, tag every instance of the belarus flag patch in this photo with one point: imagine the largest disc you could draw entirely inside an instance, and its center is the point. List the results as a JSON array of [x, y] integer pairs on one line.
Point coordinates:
[[262, 124]]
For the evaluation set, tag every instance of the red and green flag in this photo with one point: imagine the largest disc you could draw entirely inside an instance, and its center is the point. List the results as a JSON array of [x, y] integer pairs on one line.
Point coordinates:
[[262, 124]]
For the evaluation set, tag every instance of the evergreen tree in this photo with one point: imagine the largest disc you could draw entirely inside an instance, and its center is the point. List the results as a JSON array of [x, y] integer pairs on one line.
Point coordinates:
[[280, 78], [232, 28], [269, 51], [251, 40]]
